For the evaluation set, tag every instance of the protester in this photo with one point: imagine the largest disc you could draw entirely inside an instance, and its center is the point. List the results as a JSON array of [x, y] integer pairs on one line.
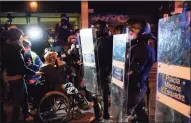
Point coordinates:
[[15, 68], [63, 29]]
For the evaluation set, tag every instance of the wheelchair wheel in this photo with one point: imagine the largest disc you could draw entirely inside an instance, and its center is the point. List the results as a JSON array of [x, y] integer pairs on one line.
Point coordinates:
[[54, 107]]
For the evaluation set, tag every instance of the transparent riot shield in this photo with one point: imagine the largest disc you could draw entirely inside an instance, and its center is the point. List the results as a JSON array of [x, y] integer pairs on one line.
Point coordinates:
[[118, 98], [173, 102], [88, 53]]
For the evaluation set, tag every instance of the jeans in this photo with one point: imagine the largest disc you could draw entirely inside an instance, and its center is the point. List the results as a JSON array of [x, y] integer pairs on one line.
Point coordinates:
[[19, 94]]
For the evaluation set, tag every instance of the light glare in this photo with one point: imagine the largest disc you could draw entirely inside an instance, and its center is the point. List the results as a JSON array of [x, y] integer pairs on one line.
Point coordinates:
[[35, 33]]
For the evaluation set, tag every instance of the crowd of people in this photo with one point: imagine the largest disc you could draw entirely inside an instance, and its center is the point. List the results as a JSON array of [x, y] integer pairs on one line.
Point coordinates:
[[22, 69]]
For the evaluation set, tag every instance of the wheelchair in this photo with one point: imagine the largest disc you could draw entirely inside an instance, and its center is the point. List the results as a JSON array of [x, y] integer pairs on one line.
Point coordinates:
[[57, 106]]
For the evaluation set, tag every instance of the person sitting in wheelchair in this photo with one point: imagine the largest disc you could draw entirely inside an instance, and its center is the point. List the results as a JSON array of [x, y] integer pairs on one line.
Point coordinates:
[[54, 70]]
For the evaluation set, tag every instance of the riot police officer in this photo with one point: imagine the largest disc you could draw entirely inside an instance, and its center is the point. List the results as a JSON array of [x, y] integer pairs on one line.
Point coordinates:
[[103, 51], [140, 59]]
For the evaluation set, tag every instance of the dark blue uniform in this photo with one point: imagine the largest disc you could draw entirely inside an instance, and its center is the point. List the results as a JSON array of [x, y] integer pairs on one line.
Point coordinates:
[[142, 57]]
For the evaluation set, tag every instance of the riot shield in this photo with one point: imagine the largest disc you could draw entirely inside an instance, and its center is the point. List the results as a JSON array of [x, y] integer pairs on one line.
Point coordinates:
[[173, 77], [118, 92], [88, 53]]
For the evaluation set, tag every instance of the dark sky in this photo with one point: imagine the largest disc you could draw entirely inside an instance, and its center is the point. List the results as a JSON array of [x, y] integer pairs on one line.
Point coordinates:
[[129, 7]]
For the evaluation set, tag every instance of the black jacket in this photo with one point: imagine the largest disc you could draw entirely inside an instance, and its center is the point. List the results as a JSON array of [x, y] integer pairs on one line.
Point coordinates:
[[13, 62], [62, 34], [54, 75], [104, 51]]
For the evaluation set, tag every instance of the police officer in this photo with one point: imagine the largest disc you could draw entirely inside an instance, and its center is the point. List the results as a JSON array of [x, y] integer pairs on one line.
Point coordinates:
[[138, 65], [103, 51]]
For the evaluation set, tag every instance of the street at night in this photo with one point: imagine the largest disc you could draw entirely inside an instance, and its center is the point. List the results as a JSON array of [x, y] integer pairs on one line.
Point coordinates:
[[95, 61]]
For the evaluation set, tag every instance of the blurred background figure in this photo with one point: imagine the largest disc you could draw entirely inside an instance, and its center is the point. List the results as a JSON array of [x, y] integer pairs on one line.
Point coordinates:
[[29, 54], [63, 29], [32, 61], [118, 29]]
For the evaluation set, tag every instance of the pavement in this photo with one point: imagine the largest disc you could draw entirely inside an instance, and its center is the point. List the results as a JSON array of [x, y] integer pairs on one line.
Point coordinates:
[[85, 118]]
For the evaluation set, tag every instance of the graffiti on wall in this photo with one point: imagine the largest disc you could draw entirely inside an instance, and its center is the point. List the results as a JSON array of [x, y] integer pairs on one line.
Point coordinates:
[[110, 19], [114, 19]]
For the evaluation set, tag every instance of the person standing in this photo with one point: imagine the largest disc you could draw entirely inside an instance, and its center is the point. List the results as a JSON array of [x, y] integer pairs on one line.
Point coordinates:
[[103, 51], [63, 30], [14, 66], [138, 65]]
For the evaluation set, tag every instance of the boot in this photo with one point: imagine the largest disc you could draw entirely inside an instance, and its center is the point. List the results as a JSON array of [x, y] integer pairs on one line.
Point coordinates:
[[97, 111]]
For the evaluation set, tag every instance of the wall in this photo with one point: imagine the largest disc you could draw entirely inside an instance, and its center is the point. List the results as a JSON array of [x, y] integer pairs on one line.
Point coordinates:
[[116, 19], [47, 20]]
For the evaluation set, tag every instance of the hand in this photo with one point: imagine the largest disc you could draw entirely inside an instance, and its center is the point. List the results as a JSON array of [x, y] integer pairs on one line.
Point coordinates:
[[130, 72], [69, 51], [29, 63], [39, 73], [63, 55], [60, 62], [79, 62]]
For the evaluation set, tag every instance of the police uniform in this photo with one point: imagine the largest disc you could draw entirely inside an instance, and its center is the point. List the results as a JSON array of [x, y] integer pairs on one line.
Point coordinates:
[[142, 57]]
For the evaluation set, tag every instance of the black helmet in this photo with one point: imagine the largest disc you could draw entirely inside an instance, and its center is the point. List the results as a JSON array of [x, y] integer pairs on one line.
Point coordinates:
[[14, 34]]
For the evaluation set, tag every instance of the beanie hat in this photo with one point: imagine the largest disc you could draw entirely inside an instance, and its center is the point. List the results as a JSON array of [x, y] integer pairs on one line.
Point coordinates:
[[14, 34]]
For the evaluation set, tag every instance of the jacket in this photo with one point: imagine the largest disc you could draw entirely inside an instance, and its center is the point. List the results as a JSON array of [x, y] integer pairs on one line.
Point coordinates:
[[54, 75], [103, 52], [142, 57], [13, 61], [34, 58]]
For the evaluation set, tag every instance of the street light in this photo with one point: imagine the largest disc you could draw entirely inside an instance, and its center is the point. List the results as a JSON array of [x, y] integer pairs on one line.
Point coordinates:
[[33, 6]]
